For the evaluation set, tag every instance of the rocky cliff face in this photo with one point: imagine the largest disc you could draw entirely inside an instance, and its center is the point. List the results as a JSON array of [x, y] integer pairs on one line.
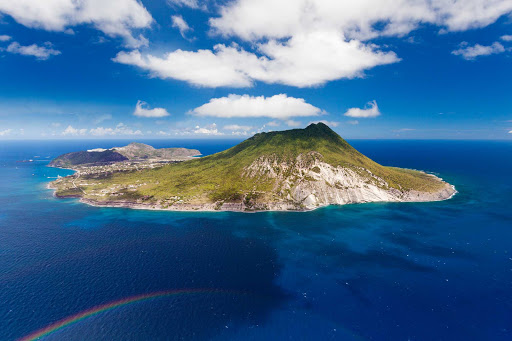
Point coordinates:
[[308, 182]]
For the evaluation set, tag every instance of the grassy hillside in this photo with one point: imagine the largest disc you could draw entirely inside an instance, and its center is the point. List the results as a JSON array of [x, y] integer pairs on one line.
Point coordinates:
[[220, 176]]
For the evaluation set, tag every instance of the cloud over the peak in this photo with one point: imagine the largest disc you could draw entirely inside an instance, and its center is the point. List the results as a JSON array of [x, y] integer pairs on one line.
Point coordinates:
[[477, 50], [371, 109], [278, 106], [115, 18], [142, 110], [40, 52]]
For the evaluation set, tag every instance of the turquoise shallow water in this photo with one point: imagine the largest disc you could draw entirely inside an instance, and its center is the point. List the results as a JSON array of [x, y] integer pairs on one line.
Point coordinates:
[[411, 271]]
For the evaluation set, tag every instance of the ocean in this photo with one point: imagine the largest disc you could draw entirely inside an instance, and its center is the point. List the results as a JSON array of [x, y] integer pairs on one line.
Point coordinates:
[[379, 271]]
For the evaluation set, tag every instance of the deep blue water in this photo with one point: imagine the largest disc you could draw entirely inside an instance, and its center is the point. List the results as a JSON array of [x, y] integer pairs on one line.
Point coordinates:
[[386, 271]]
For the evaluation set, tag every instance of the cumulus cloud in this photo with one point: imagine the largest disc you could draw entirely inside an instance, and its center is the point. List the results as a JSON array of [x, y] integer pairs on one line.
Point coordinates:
[[208, 130], [142, 110], [305, 60], [40, 52], [180, 23], [5, 132], [114, 18], [313, 43], [278, 106], [70, 131], [370, 110], [4, 37], [257, 19], [477, 50], [507, 37]]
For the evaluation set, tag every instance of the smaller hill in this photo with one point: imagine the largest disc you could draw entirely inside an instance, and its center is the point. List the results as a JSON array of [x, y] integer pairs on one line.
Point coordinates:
[[136, 150], [132, 152], [86, 157]]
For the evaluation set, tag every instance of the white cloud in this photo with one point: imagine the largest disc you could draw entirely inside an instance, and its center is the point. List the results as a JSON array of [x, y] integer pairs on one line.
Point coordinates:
[[180, 23], [306, 43], [114, 18], [305, 60], [237, 127], [142, 110], [5, 132], [471, 52], [40, 52], [273, 124], [353, 122], [370, 110], [278, 106], [201, 68], [73, 131], [510, 132], [507, 37], [208, 130], [4, 37], [257, 19]]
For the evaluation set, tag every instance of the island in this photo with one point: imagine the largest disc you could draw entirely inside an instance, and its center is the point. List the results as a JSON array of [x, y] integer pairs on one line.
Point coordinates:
[[292, 170]]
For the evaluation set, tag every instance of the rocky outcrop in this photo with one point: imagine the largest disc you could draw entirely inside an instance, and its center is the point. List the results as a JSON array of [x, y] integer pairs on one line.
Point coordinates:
[[308, 182]]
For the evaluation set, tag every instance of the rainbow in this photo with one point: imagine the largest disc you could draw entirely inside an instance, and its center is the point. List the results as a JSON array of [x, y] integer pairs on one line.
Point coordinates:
[[112, 305]]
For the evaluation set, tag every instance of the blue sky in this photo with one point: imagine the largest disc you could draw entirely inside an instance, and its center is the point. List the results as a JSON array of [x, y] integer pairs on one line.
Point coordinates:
[[211, 69]]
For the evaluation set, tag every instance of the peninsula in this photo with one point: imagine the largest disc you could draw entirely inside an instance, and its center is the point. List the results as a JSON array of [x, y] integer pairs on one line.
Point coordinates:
[[299, 169]]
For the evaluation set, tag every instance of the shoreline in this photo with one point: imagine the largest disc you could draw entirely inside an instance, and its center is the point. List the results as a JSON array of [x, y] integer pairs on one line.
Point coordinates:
[[240, 207]]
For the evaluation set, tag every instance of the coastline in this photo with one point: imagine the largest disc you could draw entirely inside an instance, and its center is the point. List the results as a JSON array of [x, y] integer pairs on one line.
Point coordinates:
[[447, 193]]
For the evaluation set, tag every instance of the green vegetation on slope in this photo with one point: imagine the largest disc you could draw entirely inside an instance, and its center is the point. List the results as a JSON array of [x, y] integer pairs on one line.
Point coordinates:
[[220, 177]]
